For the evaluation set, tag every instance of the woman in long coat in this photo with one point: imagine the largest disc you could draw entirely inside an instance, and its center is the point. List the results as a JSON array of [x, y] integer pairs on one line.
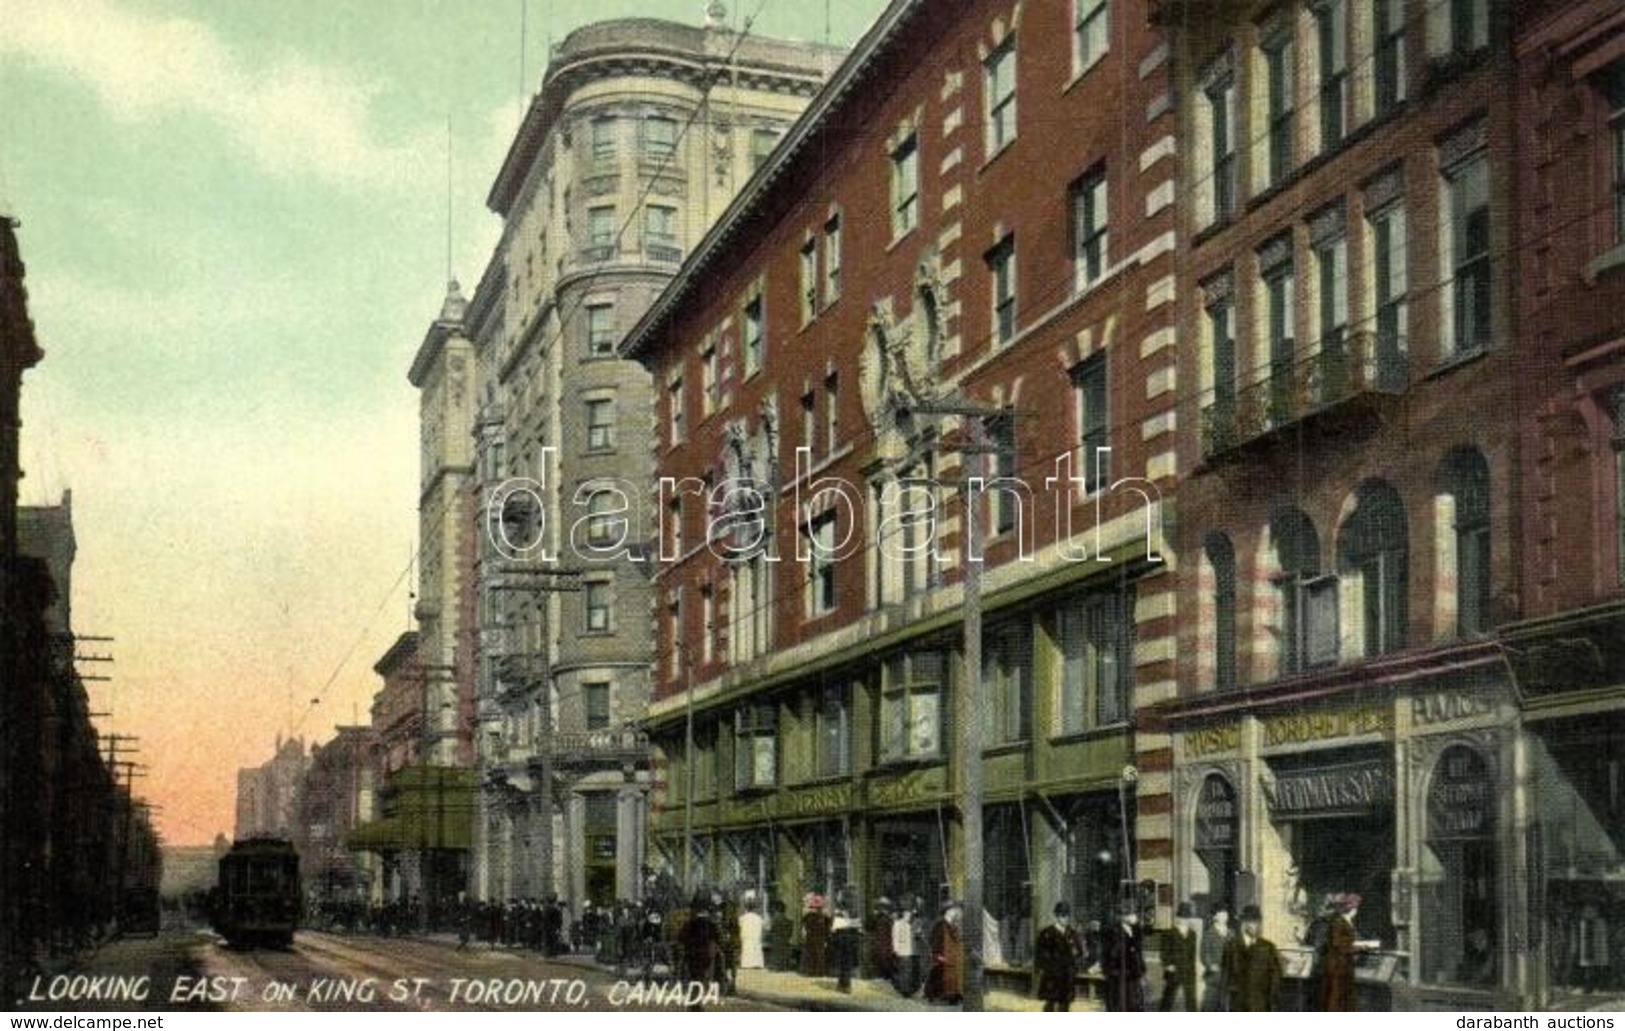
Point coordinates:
[[946, 982], [1337, 958]]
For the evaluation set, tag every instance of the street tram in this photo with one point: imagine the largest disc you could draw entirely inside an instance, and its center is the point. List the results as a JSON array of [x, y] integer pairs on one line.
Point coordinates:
[[257, 900]]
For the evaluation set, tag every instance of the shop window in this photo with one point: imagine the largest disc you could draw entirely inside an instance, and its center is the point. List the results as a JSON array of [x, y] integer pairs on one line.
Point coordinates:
[[912, 695], [1007, 884], [910, 862], [828, 857], [1093, 860], [756, 746], [1216, 837], [1373, 555], [1458, 891], [1007, 667], [1464, 497], [1221, 558]]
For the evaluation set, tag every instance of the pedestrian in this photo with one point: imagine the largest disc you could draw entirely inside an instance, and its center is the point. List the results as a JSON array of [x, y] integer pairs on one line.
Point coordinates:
[[1056, 956], [845, 931], [1252, 967], [699, 943], [882, 954], [1214, 940], [751, 955], [814, 937], [1122, 961], [1179, 948], [946, 982], [777, 930], [1337, 957], [908, 946]]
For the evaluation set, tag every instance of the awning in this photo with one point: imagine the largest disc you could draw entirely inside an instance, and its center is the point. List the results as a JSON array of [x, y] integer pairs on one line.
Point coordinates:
[[425, 807]]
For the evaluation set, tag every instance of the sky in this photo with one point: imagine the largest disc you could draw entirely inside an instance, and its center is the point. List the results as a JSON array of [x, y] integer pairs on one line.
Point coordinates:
[[234, 219]]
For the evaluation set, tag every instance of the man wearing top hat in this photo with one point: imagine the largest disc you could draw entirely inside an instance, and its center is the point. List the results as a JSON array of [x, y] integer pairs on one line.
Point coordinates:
[[1179, 958], [1252, 966], [1122, 961], [1056, 956]]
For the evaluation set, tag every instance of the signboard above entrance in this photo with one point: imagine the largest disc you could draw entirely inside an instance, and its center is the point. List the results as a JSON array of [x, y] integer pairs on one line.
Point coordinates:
[[1332, 790]]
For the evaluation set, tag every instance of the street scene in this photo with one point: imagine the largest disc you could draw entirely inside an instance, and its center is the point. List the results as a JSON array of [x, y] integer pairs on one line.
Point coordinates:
[[864, 505]]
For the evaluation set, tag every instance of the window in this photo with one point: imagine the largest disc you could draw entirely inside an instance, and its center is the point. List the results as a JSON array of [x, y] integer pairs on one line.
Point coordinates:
[[1007, 667], [660, 227], [601, 226], [596, 699], [832, 412], [603, 518], [753, 335], [1001, 265], [809, 420], [674, 412], [1091, 34], [1388, 29], [1467, 28], [1332, 301], [603, 141], [1467, 188], [1466, 488], [1094, 430], [1280, 100], [1616, 402], [905, 185], [821, 596], [1307, 627], [762, 142], [999, 80], [600, 329], [1331, 33], [1372, 555], [1221, 559], [596, 594], [600, 424], [1095, 642], [911, 706], [750, 609], [809, 280], [1391, 278], [710, 378], [1219, 99], [832, 259], [659, 137], [1615, 96], [832, 733], [708, 623], [1000, 431], [1279, 318], [1089, 253], [756, 746], [1220, 313]]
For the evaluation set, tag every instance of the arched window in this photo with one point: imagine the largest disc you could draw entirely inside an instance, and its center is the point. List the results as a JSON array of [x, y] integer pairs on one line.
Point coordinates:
[[1308, 616], [1463, 509], [1459, 891], [1221, 556], [1372, 555]]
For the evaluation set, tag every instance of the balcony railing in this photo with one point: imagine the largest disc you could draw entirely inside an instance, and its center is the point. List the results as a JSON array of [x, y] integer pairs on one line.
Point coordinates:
[[662, 247], [1344, 370], [594, 746]]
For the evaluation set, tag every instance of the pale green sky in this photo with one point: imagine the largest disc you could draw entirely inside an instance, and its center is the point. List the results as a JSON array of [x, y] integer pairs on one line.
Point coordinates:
[[234, 225]]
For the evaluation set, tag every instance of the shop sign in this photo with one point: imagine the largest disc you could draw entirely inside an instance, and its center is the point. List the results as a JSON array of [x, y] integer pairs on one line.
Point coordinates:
[[1216, 814], [1302, 728], [1446, 706], [911, 787], [831, 798], [1209, 740], [1354, 787], [1459, 798]]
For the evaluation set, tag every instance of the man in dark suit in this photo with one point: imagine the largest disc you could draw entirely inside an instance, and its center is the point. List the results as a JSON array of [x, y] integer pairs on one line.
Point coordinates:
[[1179, 958], [1056, 956], [1252, 967], [1122, 961]]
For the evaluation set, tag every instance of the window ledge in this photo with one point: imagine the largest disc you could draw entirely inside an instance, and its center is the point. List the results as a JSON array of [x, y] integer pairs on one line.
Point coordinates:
[[883, 767], [1082, 73], [1078, 737], [1005, 748], [898, 238], [1457, 361], [996, 155], [755, 790], [1607, 261]]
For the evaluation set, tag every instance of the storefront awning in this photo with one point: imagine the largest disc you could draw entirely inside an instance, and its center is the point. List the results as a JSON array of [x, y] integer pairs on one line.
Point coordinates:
[[425, 807]]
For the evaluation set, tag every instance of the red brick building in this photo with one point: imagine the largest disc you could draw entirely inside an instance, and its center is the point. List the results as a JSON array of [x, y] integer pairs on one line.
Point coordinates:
[[969, 234], [1569, 653], [1348, 519]]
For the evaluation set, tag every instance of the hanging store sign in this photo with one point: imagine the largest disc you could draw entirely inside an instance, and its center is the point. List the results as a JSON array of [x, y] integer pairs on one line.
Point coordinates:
[[1332, 790]]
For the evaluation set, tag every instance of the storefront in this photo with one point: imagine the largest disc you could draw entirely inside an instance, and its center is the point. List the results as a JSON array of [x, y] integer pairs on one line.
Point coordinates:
[[1400, 796]]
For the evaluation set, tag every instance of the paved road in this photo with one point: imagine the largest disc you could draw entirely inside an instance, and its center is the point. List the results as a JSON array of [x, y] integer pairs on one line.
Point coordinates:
[[194, 970]]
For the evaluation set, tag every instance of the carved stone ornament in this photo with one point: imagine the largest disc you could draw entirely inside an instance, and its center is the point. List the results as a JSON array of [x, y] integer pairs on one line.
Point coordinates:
[[893, 371]]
